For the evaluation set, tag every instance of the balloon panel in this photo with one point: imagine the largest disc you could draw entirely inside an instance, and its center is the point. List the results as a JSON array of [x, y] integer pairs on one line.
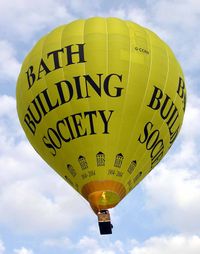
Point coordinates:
[[101, 100]]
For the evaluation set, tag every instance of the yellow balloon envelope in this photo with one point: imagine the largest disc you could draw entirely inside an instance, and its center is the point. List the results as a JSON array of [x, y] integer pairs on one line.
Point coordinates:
[[101, 100]]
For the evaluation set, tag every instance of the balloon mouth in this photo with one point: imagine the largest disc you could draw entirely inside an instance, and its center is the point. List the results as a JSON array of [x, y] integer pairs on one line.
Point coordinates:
[[103, 194], [102, 200]]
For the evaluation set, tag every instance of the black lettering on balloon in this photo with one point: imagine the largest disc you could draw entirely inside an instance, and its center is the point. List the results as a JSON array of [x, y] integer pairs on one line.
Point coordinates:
[[153, 142], [30, 123], [73, 54], [78, 87], [89, 80], [65, 91], [54, 138], [182, 91], [61, 124], [105, 119], [91, 115], [49, 145], [43, 68], [155, 99], [75, 49], [49, 101], [108, 88], [167, 110], [55, 55], [30, 76], [76, 126]]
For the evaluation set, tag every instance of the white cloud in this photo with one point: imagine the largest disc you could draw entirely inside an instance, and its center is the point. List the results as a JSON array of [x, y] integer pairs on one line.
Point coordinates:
[[173, 188], [9, 65], [2, 248], [174, 21], [25, 19], [191, 124], [187, 154], [165, 244], [62, 242], [8, 106], [135, 14], [178, 20], [176, 13], [33, 200], [86, 8], [30, 190], [23, 251], [88, 245], [169, 244], [10, 130], [175, 194]]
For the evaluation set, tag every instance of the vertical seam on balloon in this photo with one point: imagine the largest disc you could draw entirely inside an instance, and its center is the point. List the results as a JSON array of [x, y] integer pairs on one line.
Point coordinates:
[[174, 99], [154, 114], [84, 181], [144, 97], [126, 174], [149, 74], [167, 76], [145, 93], [84, 73], [164, 88], [61, 155], [45, 81], [61, 37], [93, 149], [70, 107], [166, 79], [42, 50], [149, 38], [106, 106], [126, 93], [107, 69]]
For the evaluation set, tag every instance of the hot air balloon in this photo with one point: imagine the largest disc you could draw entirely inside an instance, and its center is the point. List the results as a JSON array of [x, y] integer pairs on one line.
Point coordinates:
[[101, 100]]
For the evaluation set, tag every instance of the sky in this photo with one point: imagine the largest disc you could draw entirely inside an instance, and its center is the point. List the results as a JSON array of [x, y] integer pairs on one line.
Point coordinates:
[[39, 213]]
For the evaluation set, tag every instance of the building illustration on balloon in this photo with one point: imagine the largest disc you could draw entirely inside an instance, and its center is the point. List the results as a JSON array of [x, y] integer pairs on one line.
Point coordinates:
[[100, 159], [83, 162], [101, 100]]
